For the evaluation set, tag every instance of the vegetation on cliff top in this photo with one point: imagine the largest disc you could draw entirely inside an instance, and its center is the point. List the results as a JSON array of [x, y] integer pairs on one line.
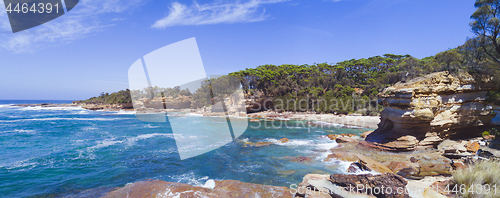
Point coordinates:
[[362, 79]]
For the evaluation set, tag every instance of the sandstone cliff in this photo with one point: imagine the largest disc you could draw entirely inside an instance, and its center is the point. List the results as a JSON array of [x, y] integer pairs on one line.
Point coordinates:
[[426, 110]]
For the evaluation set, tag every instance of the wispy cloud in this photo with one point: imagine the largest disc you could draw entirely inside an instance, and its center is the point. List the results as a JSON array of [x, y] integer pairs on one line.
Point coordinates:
[[197, 14], [87, 18]]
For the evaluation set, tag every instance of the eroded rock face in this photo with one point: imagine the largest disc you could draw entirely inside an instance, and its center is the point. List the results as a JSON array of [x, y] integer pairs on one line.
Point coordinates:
[[424, 111]]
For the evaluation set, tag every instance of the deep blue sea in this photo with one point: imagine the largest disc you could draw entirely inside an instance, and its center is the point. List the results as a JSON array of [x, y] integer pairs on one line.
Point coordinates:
[[58, 152]]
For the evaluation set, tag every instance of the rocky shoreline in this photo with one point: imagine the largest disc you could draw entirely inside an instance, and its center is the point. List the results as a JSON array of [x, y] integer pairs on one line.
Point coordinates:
[[429, 128]]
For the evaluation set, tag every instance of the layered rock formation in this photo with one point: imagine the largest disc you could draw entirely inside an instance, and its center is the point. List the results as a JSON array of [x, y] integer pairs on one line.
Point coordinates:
[[426, 110]]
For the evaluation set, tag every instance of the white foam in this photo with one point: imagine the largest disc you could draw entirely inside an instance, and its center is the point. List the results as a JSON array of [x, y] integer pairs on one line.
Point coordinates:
[[292, 142], [121, 112], [151, 127], [132, 140], [21, 164], [68, 119], [105, 143], [37, 108], [7, 106], [209, 184]]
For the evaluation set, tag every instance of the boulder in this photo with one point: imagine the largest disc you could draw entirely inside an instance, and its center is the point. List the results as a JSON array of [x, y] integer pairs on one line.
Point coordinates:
[[472, 146], [284, 140], [369, 164], [332, 136], [344, 156], [320, 186], [388, 184], [345, 140], [353, 168], [435, 169], [405, 169]]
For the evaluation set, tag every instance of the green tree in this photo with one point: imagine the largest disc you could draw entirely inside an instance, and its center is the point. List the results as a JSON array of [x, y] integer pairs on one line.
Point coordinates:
[[486, 26]]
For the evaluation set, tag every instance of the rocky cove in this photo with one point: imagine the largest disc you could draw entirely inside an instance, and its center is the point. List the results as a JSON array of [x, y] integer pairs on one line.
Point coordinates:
[[430, 126]]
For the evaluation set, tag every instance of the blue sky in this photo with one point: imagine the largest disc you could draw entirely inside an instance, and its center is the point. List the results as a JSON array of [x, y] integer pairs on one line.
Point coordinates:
[[89, 50]]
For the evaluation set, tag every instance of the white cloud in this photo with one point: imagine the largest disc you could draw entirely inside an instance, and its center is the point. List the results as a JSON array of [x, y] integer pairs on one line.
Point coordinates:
[[196, 14], [88, 17]]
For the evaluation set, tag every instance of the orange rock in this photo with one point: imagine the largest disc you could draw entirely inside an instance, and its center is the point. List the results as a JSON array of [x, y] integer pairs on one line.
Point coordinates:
[[261, 144], [472, 146], [345, 140], [284, 140], [340, 155], [254, 120], [332, 136], [223, 188], [372, 164]]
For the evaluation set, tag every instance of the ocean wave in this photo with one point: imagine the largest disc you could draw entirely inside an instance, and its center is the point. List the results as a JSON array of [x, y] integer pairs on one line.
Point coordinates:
[[66, 119], [21, 164], [121, 112], [190, 178], [7, 106], [132, 140], [151, 127], [105, 143], [292, 142], [38, 108]]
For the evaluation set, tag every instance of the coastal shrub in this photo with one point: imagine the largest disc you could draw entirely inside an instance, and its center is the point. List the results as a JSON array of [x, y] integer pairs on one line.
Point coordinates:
[[486, 133], [478, 180]]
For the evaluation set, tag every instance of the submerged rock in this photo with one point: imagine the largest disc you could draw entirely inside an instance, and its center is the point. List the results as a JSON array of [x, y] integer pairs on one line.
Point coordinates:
[[424, 111], [284, 140]]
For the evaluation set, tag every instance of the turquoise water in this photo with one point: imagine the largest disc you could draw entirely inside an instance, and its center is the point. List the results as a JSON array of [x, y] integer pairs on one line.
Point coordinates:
[[57, 152]]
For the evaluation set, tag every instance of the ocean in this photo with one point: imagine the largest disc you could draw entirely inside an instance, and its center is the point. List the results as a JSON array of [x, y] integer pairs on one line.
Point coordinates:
[[58, 152]]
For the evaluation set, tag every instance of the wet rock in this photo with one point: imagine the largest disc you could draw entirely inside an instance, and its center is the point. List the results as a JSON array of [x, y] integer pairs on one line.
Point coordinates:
[[344, 156], [224, 188], [413, 160], [261, 144], [332, 136], [284, 140], [347, 135], [248, 144], [388, 184], [302, 159], [345, 140], [287, 172], [353, 168]]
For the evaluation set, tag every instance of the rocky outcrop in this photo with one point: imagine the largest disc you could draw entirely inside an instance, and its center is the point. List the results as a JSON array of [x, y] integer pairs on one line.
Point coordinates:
[[424, 111], [223, 188]]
